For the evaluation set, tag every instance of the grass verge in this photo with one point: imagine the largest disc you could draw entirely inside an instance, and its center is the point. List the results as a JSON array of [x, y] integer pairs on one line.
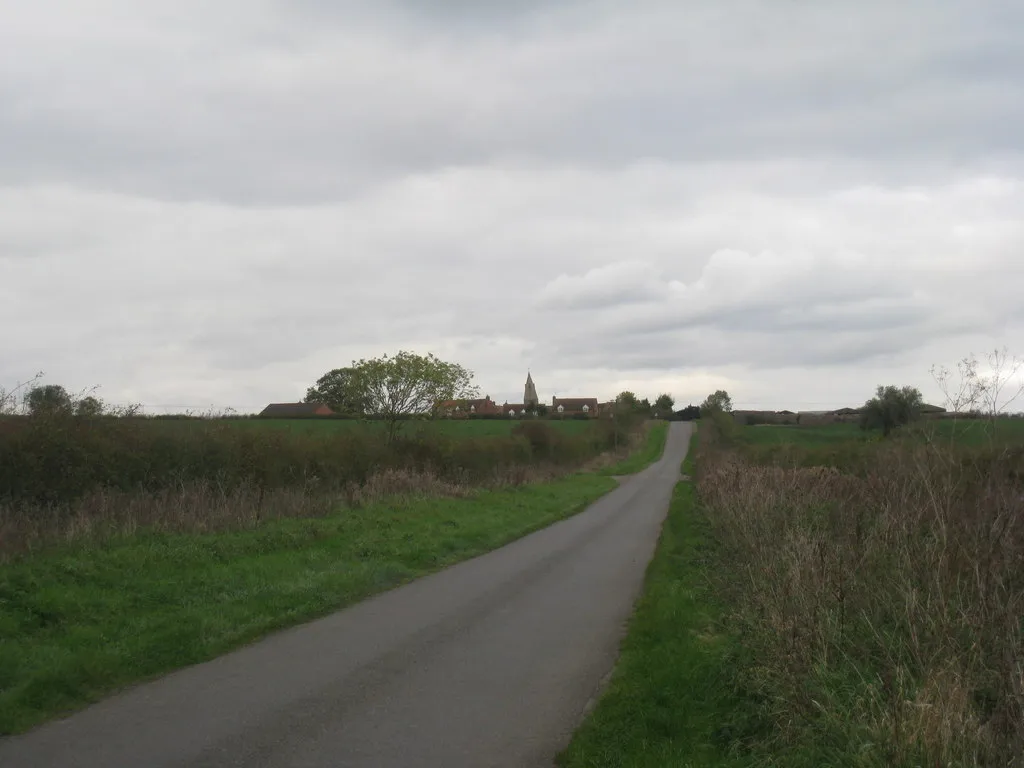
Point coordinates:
[[78, 623], [671, 700], [651, 450]]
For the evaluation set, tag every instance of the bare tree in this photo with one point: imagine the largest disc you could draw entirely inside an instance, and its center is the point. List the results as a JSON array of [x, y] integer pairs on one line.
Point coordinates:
[[964, 393], [1003, 385], [9, 398]]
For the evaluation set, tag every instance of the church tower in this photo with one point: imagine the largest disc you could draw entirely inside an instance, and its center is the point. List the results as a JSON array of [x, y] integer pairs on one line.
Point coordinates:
[[530, 399]]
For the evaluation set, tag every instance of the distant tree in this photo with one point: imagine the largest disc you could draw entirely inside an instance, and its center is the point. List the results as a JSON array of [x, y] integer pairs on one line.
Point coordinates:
[[991, 393], [644, 406], [1002, 385], [663, 404], [689, 413], [627, 399], [48, 400], [716, 401], [408, 384], [891, 407], [89, 406], [542, 410], [342, 390]]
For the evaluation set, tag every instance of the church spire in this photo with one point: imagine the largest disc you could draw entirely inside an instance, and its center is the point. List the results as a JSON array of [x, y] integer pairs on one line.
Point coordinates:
[[530, 398]]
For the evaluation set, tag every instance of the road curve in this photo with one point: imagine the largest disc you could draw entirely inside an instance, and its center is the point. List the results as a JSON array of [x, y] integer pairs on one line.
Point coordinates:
[[488, 663]]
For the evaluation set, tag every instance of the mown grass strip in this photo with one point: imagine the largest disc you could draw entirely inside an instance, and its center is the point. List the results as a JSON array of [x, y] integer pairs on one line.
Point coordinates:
[[79, 623], [648, 453], [670, 701]]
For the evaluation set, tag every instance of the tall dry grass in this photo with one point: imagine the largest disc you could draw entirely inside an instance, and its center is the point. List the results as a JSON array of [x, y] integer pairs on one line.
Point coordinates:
[[884, 609]]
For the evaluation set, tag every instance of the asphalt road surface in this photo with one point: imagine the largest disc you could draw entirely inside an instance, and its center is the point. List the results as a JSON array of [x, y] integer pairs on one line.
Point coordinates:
[[489, 663]]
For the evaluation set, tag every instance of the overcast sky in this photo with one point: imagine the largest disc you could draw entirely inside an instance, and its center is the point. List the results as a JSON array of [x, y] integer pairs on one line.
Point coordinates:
[[211, 204]]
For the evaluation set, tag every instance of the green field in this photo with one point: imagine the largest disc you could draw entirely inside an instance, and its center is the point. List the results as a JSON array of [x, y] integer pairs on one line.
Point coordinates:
[[448, 427], [966, 431]]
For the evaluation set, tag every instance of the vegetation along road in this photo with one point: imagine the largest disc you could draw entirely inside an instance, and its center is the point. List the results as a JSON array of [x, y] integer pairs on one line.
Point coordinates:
[[489, 663]]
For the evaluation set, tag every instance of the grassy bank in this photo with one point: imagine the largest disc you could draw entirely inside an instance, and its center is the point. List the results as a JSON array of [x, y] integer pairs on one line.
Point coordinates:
[[649, 451], [670, 701], [77, 623]]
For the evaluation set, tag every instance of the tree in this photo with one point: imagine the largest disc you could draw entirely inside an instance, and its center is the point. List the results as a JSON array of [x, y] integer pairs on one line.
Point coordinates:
[[992, 393], [891, 407], [689, 413], [718, 401], [89, 406], [406, 384], [663, 405], [342, 390], [1002, 386], [9, 397], [48, 400], [628, 400]]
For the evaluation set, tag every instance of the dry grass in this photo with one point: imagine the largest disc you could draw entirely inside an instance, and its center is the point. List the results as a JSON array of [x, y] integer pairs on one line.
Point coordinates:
[[884, 609], [205, 507]]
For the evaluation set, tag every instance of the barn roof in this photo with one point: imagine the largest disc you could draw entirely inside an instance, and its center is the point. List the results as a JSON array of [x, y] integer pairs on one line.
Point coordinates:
[[289, 410]]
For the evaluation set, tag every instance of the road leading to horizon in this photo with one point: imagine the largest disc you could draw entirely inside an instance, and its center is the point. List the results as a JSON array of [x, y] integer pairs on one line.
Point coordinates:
[[488, 663]]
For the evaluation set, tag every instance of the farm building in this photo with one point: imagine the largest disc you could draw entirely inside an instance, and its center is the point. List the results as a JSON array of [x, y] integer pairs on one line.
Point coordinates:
[[295, 410]]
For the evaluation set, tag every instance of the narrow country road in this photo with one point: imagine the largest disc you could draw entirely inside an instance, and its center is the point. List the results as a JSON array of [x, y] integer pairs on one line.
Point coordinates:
[[488, 663]]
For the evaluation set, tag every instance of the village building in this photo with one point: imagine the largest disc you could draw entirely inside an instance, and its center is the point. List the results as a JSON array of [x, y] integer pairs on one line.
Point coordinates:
[[576, 405], [295, 410], [564, 406]]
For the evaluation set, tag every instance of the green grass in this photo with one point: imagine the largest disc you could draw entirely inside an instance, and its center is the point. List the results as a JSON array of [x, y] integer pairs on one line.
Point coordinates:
[[820, 435], [671, 700], [79, 623], [964, 431], [648, 453]]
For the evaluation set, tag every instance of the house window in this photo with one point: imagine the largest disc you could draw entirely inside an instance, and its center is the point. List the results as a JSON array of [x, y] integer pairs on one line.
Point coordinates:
[[586, 409], [472, 409], [511, 412], [561, 408]]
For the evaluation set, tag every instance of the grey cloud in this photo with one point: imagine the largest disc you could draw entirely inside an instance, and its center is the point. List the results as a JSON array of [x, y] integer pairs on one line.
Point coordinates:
[[260, 111], [218, 202]]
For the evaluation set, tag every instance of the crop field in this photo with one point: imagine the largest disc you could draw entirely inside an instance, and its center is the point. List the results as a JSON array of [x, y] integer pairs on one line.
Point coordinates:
[[449, 427], [963, 432]]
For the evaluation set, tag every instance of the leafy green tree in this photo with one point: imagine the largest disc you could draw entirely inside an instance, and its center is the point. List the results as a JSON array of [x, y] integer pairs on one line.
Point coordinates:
[[689, 413], [342, 390], [407, 384], [717, 401], [49, 400], [891, 407], [663, 405], [628, 400], [89, 406]]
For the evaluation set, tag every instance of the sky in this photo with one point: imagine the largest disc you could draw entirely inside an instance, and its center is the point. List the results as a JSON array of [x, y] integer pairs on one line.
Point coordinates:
[[208, 205]]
